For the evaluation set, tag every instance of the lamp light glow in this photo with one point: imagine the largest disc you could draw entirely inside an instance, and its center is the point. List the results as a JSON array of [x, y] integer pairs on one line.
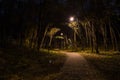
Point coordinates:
[[71, 18]]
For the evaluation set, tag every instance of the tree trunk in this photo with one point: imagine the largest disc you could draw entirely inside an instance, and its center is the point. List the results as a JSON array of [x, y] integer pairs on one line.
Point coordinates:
[[49, 45], [113, 38], [94, 37], [43, 37], [104, 33]]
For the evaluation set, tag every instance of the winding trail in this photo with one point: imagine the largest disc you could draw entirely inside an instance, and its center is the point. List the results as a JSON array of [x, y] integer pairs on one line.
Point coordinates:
[[76, 67]]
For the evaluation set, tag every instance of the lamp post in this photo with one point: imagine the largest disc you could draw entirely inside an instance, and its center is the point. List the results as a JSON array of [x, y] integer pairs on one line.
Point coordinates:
[[61, 44], [72, 21]]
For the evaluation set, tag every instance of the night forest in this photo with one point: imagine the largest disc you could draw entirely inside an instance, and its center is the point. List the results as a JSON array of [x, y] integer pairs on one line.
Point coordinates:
[[24, 23]]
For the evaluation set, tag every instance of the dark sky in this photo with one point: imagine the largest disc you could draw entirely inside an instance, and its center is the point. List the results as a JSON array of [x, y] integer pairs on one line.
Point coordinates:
[[39, 1]]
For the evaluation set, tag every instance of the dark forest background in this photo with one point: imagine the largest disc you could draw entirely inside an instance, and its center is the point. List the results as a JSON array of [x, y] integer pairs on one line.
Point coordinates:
[[23, 22]]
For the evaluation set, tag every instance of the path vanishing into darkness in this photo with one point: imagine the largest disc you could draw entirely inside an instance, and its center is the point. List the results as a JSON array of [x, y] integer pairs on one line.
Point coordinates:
[[76, 67]]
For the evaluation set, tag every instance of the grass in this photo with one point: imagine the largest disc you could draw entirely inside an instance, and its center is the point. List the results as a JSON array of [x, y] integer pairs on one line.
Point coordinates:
[[107, 64], [25, 64]]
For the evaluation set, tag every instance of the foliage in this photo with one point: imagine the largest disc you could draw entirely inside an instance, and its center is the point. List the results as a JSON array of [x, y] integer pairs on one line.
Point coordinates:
[[53, 31], [95, 19]]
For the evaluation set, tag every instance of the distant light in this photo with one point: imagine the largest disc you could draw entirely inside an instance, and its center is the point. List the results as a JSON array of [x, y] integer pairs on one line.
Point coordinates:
[[50, 61], [61, 34], [71, 18]]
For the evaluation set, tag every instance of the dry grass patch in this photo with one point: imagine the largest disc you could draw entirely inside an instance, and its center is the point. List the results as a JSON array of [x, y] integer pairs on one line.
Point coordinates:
[[25, 64], [108, 65]]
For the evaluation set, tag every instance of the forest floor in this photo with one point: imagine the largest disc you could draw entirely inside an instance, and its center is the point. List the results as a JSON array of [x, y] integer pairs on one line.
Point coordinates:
[[108, 64], [24, 64]]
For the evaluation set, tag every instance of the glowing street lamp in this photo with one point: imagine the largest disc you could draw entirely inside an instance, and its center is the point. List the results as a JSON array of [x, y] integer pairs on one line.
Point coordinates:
[[71, 19]]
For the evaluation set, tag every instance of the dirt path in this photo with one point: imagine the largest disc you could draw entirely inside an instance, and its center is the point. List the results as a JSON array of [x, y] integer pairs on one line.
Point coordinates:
[[77, 68]]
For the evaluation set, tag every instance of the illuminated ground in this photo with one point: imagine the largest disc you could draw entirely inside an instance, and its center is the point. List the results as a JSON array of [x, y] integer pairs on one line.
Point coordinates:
[[77, 68]]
